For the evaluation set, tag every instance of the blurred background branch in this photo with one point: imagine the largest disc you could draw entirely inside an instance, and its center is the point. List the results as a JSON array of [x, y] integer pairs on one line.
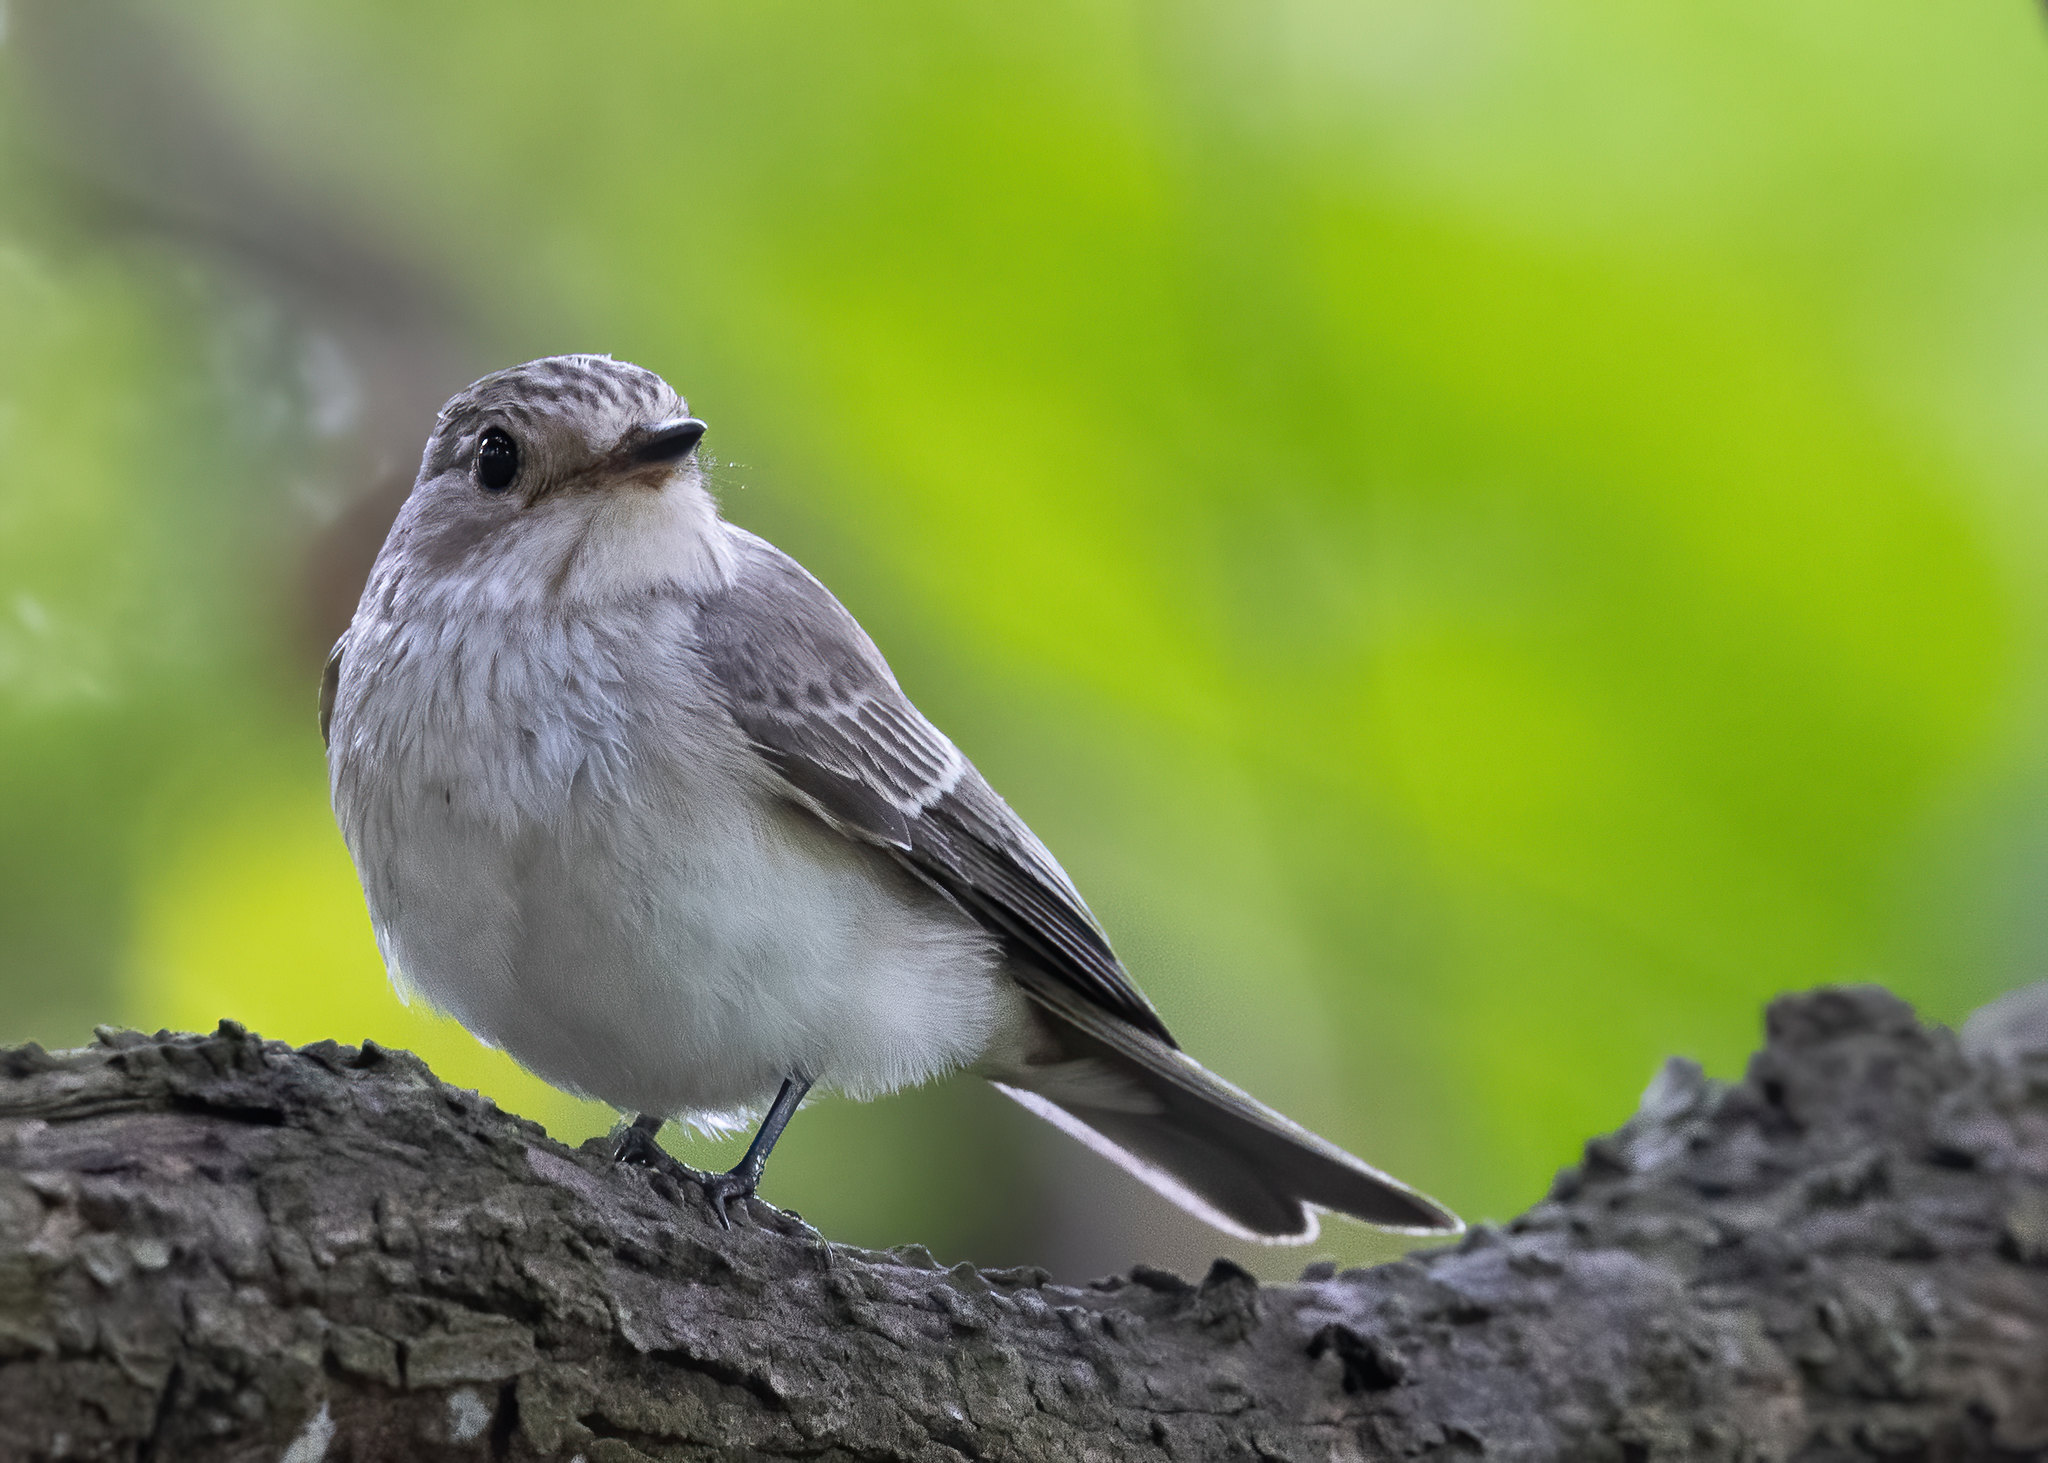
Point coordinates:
[[1490, 537], [121, 129]]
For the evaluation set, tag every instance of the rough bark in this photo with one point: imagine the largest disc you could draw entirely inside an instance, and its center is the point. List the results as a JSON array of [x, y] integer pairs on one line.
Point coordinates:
[[220, 1248]]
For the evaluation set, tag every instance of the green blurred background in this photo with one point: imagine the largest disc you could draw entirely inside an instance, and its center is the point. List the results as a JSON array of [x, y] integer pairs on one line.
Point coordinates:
[[1490, 536]]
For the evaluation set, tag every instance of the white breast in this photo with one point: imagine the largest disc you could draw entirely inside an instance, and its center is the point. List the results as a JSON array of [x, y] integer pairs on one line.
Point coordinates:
[[567, 845]]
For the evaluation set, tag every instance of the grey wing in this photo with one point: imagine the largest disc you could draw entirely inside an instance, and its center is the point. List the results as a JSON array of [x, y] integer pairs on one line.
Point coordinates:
[[818, 701], [330, 682]]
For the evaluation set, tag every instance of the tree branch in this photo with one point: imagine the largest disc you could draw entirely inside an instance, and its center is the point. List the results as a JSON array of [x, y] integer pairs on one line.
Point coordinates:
[[220, 1248]]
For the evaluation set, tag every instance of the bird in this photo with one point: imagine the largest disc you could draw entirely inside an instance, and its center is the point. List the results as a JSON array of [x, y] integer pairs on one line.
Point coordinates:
[[634, 798]]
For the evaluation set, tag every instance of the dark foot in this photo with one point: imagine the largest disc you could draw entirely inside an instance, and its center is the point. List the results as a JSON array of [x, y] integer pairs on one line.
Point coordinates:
[[637, 1146], [739, 1181], [721, 1188]]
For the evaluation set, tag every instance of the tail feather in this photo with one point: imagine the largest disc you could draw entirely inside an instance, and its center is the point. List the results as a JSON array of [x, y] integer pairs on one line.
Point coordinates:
[[1184, 1131]]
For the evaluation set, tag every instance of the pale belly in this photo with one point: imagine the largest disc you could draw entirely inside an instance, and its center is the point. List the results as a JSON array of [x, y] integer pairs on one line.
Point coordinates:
[[672, 962]]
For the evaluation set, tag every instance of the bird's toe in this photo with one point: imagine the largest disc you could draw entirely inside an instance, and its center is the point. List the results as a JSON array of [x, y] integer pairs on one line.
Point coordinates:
[[721, 1189], [638, 1148]]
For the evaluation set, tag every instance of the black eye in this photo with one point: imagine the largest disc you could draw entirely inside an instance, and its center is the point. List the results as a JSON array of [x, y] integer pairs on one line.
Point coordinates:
[[497, 460]]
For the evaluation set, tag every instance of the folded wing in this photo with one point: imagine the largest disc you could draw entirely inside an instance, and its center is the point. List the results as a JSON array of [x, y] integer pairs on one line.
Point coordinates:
[[808, 686]]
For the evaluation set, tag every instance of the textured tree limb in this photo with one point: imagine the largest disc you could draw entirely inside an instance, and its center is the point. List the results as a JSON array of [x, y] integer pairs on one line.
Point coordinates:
[[220, 1248]]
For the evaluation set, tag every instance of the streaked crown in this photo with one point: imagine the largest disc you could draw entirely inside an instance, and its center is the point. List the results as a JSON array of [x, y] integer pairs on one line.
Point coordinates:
[[602, 397]]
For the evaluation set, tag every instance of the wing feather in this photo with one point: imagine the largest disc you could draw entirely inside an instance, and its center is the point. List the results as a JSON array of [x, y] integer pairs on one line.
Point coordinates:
[[818, 701], [330, 682]]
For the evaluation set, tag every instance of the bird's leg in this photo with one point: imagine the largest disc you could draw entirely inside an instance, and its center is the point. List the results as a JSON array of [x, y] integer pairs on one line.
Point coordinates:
[[637, 1146], [742, 1178]]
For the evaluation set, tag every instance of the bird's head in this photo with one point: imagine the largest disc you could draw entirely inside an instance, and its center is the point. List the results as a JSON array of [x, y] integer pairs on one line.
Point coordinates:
[[575, 476]]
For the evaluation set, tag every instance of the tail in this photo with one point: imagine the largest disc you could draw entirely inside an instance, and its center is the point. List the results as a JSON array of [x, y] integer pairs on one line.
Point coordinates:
[[1178, 1127]]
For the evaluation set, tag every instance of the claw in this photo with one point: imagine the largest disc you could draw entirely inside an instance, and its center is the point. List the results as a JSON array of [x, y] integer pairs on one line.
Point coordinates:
[[721, 1188], [638, 1147]]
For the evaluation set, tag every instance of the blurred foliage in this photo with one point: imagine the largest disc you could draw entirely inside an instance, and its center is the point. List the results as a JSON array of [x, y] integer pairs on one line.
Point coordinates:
[[1490, 537]]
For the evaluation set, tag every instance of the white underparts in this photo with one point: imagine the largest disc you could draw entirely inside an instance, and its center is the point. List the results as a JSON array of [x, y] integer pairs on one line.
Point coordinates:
[[567, 846]]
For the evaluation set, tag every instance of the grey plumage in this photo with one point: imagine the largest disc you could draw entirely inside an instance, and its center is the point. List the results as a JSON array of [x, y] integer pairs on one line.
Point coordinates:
[[805, 682], [636, 798]]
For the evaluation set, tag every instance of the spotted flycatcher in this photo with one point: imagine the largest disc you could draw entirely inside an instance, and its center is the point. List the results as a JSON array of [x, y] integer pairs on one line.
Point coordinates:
[[634, 797]]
